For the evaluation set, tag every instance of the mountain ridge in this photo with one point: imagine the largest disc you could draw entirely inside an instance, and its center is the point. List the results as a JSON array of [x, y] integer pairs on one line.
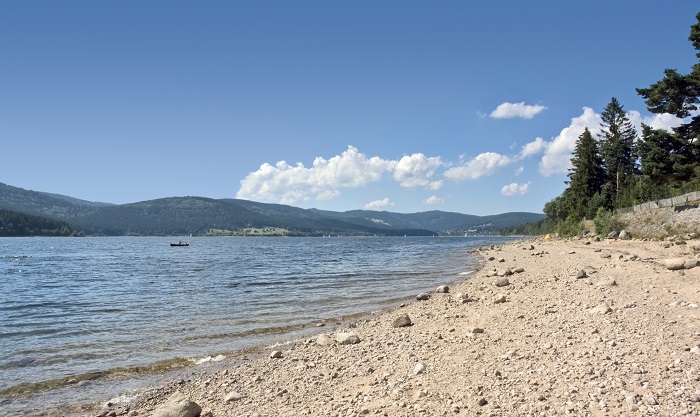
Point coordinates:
[[204, 216]]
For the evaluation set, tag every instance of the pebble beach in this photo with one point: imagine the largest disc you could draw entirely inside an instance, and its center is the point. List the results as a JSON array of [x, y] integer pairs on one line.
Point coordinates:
[[585, 327]]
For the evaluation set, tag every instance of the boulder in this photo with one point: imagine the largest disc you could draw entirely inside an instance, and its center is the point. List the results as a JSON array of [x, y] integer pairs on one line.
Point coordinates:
[[601, 308], [690, 263], [324, 340], [178, 406], [347, 338], [674, 264], [443, 289], [624, 235], [581, 274], [402, 321], [503, 282], [423, 296], [613, 235]]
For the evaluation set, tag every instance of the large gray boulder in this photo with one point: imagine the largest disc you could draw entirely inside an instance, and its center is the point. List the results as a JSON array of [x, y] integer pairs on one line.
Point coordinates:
[[178, 406]]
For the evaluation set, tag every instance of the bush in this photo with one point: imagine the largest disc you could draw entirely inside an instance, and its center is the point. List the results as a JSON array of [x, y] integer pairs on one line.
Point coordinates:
[[606, 222]]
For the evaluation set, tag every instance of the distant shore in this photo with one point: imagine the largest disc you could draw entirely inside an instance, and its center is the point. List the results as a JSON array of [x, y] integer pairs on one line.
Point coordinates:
[[577, 327]]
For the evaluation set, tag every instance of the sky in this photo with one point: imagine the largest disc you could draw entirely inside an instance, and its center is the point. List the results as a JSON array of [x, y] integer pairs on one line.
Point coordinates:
[[404, 106]]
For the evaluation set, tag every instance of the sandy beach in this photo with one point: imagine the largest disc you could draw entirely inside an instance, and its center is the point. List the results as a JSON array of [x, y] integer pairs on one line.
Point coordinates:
[[545, 327]]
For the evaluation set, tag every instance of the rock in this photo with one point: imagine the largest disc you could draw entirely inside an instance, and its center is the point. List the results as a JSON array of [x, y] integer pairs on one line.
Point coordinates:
[[419, 368], [500, 298], [402, 321], [443, 289], [477, 330], [624, 235], [178, 406], [324, 340], [462, 298], [581, 274], [504, 273], [674, 264], [608, 282], [613, 235], [601, 308], [276, 354], [233, 396], [690, 263], [503, 282], [605, 255], [347, 338], [423, 296], [519, 270]]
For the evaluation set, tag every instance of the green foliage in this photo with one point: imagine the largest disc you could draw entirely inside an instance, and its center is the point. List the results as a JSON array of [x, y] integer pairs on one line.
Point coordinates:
[[617, 149], [13, 224], [570, 227], [606, 222]]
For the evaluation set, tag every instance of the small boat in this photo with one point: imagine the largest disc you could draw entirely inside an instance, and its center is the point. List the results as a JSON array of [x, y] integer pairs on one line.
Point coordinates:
[[180, 243]]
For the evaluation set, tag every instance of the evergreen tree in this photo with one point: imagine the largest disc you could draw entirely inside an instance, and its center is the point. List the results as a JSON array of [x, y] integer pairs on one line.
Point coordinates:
[[617, 149], [586, 176], [680, 95]]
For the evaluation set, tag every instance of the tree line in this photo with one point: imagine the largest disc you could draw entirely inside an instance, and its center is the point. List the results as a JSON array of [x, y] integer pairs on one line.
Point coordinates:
[[622, 167], [14, 224]]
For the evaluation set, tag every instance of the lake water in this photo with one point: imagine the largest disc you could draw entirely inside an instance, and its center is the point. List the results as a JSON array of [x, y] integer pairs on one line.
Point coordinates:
[[77, 309]]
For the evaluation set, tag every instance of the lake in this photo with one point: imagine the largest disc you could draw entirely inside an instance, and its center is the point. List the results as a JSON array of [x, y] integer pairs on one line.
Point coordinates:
[[88, 309]]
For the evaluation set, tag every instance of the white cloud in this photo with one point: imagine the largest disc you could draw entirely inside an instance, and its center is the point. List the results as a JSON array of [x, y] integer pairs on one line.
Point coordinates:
[[533, 148], [521, 110], [434, 200], [515, 188], [418, 170], [385, 202], [663, 121], [557, 156], [486, 163], [289, 184], [519, 171]]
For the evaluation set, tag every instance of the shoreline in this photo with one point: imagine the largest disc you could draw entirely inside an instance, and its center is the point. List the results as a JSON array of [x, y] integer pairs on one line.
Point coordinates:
[[582, 327], [135, 383]]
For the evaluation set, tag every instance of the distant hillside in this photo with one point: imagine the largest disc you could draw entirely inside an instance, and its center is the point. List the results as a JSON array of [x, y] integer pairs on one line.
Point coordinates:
[[205, 216], [14, 224]]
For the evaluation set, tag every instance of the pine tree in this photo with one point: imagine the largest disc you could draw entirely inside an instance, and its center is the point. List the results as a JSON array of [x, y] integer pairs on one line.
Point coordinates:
[[586, 176], [664, 159], [679, 95], [617, 149]]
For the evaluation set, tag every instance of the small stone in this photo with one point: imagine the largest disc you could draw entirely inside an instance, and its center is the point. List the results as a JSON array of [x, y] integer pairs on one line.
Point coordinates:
[[500, 298], [419, 368], [276, 354], [178, 405], [443, 289], [477, 330], [605, 255], [581, 274], [674, 264], [482, 402], [233, 396]]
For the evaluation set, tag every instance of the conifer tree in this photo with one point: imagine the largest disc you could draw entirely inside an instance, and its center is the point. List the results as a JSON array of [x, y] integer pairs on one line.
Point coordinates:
[[617, 149], [586, 176], [679, 95]]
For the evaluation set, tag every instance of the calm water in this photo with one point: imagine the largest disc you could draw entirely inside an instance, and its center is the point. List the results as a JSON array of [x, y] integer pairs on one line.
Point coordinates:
[[70, 307]]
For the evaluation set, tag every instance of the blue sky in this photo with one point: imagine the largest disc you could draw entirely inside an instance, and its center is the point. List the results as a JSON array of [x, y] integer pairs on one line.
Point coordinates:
[[403, 106]]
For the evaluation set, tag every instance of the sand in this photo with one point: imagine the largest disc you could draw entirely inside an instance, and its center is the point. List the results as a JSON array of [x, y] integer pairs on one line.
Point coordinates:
[[619, 338]]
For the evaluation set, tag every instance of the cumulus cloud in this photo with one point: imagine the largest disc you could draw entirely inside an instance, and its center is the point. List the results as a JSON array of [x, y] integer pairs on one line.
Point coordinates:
[[385, 202], [289, 184], [418, 170], [663, 121], [533, 148], [557, 156], [520, 110], [515, 188], [484, 164], [434, 200]]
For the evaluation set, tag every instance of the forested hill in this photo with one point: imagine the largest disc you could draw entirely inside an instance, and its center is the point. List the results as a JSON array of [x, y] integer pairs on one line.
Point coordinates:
[[205, 216], [13, 224]]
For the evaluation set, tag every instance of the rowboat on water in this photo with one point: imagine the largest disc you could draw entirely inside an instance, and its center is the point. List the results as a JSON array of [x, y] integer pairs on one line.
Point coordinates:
[[180, 243]]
